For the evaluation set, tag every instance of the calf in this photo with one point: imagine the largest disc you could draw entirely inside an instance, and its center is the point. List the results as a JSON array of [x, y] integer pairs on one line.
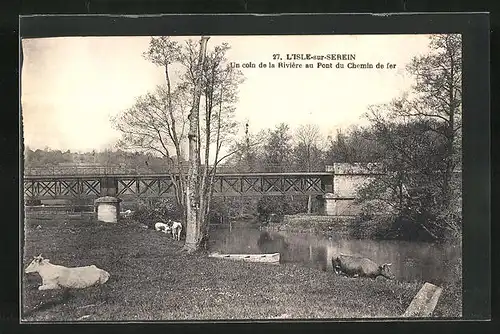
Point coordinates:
[[359, 266], [176, 230], [60, 277], [162, 227]]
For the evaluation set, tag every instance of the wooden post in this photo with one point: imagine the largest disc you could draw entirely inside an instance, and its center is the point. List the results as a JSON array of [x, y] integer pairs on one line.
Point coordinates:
[[424, 302], [225, 211]]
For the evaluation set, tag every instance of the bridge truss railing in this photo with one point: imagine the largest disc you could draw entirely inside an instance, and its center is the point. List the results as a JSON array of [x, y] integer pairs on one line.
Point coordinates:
[[144, 186], [122, 170]]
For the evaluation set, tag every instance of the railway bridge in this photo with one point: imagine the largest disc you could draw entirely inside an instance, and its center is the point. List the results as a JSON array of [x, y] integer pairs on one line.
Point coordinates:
[[336, 185], [126, 187]]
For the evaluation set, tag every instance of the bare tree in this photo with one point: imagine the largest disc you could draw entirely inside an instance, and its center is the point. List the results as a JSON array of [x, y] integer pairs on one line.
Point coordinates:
[[217, 127], [278, 149], [249, 155], [308, 138], [196, 107], [220, 83], [193, 221], [154, 125]]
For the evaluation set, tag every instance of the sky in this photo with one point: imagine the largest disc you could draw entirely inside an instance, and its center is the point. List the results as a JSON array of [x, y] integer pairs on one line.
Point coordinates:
[[70, 86]]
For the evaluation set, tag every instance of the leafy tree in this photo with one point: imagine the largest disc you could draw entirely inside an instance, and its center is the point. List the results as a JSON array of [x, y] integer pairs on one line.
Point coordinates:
[[438, 97], [419, 134], [356, 145]]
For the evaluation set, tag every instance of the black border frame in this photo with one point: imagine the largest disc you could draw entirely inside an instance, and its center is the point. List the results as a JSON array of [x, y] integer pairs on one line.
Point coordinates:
[[475, 31]]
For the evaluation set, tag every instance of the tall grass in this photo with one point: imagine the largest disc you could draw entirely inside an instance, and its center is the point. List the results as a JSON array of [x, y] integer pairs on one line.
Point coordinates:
[[150, 280]]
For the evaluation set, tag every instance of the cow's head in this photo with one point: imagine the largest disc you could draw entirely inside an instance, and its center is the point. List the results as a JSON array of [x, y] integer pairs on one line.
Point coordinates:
[[34, 266], [385, 271], [336, 264]]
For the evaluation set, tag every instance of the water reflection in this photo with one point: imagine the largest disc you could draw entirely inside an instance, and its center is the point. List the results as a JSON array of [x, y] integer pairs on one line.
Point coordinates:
[[411, 261]]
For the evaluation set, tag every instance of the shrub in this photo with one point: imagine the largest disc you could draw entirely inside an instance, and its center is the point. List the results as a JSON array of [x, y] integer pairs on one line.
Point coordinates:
[[390, 227], [240, 207], [219, 211], [280, 206], [364, 227], [421, 210], [151, 211]]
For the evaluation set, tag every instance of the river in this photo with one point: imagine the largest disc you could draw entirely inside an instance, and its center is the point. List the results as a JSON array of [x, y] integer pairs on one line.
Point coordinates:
[[411, 261]]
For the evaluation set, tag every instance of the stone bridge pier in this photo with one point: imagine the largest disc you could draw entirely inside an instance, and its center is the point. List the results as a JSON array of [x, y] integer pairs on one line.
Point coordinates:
[[347, 178], [107, 206]]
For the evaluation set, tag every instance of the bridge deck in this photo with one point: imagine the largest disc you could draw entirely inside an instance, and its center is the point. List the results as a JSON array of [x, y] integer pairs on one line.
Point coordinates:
[[164, 175], [161, 185]]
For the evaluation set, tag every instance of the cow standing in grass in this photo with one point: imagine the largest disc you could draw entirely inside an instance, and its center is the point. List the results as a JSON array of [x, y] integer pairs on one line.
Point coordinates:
[[176, 228]]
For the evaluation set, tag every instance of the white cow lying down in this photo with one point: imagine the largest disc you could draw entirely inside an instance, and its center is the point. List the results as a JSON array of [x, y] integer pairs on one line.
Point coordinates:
[[56, 277]]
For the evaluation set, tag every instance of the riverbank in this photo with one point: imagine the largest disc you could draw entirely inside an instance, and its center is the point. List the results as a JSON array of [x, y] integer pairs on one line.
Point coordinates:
[[354, 227], [327, 226], [151, 280]]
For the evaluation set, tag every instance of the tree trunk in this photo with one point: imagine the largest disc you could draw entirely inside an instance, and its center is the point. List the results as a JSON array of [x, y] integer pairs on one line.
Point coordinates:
[[309, 204], [193, 227], [179, 181], [211, 175], [309, 199], [205, 179], [450, 137]]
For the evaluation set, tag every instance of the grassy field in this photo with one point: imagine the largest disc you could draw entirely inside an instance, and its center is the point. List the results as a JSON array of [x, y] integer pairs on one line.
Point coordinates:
[[151, 280]]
